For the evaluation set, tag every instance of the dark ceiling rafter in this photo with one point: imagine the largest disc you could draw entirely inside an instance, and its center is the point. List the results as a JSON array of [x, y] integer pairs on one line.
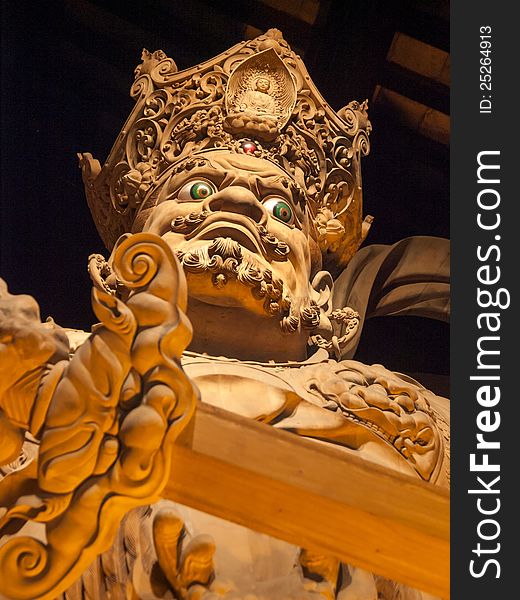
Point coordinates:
[[416, 87]]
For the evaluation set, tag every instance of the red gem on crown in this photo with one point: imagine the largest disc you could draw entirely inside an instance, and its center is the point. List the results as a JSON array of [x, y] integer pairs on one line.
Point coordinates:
[[249, 147]]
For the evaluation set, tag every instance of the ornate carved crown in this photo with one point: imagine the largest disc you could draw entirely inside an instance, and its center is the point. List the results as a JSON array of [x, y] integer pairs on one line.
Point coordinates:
[[256, 98]]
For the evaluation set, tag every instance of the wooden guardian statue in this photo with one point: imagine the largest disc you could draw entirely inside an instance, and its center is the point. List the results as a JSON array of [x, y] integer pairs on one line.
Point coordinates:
[[231, 205]]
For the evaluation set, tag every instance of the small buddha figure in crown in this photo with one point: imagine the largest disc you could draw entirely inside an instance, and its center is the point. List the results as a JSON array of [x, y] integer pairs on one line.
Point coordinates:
[[258, 100]]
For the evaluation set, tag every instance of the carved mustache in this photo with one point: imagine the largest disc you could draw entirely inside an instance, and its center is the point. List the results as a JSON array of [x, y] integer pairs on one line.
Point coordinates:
[[273, 247], [223, 258]]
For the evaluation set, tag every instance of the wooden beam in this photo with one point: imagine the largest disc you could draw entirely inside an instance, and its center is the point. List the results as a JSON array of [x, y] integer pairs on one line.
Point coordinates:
[[421, 58], [315, 496], [418, 117], [416, 87]]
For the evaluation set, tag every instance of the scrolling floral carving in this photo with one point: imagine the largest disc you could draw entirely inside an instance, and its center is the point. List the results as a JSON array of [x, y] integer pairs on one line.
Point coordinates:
[[105, 441]]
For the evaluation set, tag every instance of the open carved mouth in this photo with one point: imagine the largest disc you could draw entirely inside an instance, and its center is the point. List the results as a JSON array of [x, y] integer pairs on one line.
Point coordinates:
[[413, 436], [235, 229], [253, 237]]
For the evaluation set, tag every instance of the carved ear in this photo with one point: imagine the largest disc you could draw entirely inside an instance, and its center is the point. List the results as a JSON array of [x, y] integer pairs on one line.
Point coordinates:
[[322, 285]]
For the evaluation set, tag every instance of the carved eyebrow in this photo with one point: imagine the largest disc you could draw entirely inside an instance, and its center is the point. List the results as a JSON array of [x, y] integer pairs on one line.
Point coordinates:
[[256, 182], [229, 176], [268, 183], [216, 176], [225, 177], [292, 191]]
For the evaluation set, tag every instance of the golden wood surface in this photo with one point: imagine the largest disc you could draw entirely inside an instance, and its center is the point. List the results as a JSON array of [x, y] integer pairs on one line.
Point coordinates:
[[316, 497]]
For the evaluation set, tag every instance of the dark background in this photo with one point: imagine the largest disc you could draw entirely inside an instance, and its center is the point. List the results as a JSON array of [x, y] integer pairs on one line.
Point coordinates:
[[67, 67]]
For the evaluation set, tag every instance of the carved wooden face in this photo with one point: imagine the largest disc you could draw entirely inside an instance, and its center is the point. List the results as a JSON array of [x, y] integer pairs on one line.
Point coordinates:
[[263, 84], [241, 229]]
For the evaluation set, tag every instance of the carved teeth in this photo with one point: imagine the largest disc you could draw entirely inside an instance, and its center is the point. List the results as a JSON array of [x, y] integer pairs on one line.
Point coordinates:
[[382, 433]]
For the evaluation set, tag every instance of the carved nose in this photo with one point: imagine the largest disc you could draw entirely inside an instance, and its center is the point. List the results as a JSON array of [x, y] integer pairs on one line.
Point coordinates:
[[239, 200]]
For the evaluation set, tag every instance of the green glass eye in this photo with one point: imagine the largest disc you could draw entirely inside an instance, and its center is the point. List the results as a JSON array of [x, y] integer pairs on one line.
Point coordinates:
[[280, 210], [200, 190], [195, 191], [283, 212]]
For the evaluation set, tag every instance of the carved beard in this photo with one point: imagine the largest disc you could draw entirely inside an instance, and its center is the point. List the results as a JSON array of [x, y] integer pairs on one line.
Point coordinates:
[[224, 258]]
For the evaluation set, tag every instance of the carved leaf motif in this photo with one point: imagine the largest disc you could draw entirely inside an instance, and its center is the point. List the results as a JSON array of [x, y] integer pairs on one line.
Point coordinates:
[[100, 454]]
